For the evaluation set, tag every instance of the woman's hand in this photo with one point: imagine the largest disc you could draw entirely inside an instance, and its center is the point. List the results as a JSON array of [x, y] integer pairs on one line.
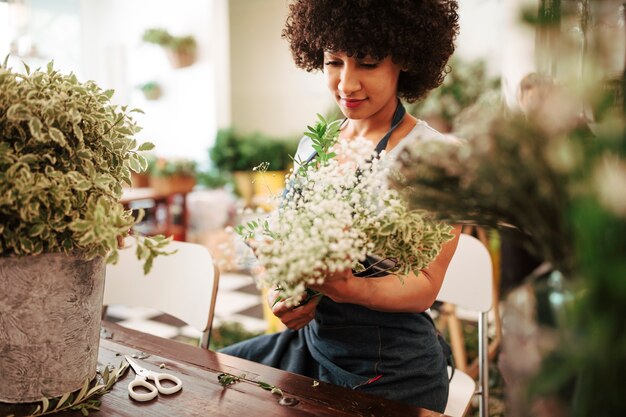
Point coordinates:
[[336, 286], [294, 318]]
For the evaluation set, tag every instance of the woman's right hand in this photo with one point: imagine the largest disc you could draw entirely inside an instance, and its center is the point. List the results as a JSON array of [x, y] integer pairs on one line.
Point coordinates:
[[294, 318]]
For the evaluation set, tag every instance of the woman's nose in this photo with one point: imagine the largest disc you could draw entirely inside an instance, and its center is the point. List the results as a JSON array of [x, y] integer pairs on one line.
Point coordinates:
[[349, 81]]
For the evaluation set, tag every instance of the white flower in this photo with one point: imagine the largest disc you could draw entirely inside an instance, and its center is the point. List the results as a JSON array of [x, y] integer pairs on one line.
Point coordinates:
[[331, 218]]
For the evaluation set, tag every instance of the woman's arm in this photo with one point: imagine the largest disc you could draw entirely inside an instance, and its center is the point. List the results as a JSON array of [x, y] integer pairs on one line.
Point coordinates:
[[415, 295]]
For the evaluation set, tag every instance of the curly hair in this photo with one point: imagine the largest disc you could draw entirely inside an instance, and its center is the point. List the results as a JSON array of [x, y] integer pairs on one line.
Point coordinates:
[[419, 35]]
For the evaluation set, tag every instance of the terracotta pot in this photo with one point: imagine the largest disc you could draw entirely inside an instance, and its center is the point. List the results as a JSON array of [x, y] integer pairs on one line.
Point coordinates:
[[139, 180], [180, 58], [173, 184], [50, 312]]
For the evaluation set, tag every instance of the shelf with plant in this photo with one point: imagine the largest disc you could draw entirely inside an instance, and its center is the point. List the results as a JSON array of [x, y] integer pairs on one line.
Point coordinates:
[[181, 50], [172, 175], [238, 154], [151, 90]]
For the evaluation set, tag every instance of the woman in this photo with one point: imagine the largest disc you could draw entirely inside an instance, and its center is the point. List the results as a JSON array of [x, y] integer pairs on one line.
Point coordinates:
[[370, 334]]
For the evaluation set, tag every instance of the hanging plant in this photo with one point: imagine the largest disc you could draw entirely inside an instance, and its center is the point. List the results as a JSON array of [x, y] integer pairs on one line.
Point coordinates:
[[181, 50]]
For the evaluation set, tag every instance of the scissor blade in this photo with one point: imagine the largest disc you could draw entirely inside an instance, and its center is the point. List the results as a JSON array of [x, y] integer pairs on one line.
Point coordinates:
[[136, 367]]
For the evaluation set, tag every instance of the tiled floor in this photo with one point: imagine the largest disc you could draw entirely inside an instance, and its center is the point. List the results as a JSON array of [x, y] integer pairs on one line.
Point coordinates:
[[238, 300]]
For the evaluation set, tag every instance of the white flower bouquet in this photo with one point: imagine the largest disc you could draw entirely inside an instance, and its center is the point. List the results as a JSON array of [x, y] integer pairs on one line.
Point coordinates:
[[341, 214]]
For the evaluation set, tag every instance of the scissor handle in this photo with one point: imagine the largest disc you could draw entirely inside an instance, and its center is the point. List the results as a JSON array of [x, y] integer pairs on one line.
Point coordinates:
[[157, 378], [142, 396]]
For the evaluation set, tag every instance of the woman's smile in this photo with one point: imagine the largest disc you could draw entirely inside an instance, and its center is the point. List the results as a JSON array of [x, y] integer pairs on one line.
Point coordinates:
[[352, 103]]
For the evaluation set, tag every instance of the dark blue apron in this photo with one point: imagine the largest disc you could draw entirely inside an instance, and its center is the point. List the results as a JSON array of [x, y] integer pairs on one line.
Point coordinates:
[[394, 355]]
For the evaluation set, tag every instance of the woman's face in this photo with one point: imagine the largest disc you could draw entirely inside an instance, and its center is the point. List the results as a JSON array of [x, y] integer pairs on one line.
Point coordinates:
[[362, 87]]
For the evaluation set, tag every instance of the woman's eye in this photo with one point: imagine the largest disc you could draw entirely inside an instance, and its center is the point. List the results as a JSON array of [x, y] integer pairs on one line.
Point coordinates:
[[332, 63], [369, 64]]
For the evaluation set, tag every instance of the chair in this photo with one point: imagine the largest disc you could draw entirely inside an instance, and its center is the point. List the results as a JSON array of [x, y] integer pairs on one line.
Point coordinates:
[[468, 284], [183, 284]]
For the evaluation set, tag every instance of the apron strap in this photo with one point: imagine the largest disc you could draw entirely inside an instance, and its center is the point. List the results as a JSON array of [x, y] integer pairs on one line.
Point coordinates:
[[398, 115]]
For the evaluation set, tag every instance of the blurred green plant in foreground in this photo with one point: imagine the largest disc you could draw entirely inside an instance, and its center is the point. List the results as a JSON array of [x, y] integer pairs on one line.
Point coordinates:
[[557, 181]]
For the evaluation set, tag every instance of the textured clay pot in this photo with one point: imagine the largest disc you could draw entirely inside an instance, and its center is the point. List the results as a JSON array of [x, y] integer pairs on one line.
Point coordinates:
[[50, 310]]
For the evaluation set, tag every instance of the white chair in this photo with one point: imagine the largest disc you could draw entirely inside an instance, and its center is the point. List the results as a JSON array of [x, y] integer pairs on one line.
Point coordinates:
[[183, 284], [468, 284]]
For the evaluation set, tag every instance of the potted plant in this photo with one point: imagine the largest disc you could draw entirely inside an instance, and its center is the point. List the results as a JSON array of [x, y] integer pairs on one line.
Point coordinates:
[[65, 151], [240, 154], [151, 90], [170, 176], [181, 50]]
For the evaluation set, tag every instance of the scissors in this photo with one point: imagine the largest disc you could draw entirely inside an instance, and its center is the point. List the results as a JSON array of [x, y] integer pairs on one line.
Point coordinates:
[[141, 380]]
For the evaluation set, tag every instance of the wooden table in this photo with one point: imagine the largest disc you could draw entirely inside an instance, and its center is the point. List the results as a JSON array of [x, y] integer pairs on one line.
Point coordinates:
[[202, 395]]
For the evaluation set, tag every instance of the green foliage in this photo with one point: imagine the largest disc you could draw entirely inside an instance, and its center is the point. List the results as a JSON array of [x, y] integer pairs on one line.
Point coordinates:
[[323, 134], [163, 38], [212, 178], [86, 398], [462, 87], [64, 152], [561, 186], [229, 333], [162, 167], [151, 90], [235, 152], [229, 379], [150, 86]]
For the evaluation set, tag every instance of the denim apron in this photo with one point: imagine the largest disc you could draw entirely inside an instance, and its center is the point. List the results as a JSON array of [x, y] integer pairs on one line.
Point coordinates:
[[398, 356]]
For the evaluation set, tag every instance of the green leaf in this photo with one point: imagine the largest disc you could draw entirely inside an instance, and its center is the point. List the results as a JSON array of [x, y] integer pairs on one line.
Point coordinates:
[[18, 113], [134, 164], [63, 399], [143, 162], [36, 229], [147, 266], [146, 146], [57, 136], [35, 126], [82, 185], [82, 392], [45, 404], [78, 132], [105, 374]]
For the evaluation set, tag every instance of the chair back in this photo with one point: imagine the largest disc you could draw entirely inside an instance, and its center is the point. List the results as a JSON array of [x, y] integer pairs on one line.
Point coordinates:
[[468, 284], [469, 279], [183, 284]]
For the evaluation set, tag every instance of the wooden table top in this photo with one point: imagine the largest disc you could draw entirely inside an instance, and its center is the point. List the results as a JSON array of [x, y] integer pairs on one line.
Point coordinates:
[[203, 395]]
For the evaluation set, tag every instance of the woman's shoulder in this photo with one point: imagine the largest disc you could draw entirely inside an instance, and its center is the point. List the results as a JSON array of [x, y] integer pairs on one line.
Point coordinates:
[[423, 132]]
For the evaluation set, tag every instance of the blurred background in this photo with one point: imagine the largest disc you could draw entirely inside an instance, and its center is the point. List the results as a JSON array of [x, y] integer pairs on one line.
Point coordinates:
[[221, 95], [242, 75]]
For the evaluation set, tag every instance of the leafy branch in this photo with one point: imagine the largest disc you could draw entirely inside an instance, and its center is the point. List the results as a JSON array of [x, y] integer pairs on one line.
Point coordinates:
[[226, 379], [84, 400], [324, 135]]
